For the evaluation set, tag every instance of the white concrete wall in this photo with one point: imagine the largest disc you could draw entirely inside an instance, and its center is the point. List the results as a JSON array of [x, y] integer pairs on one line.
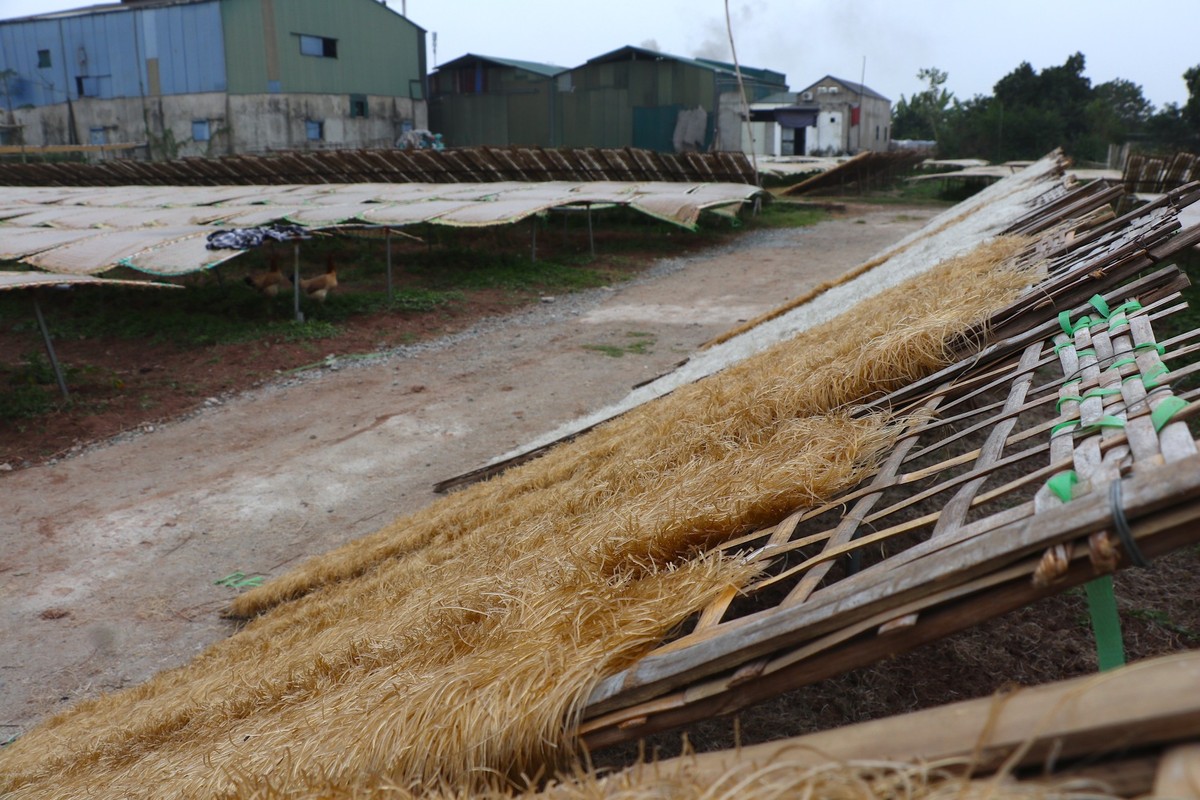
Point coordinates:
[[237, 123], [828, 135]]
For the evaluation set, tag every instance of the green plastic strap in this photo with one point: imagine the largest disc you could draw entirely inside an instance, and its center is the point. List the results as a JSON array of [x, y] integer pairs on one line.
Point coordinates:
[[1063, 484], [1086, 352], [1120, 362], [1069, 424], [1166, 411], [1127, 306], [1100, 304], [1067, 399], [1149, 346], [1107, 421], [1100, 392], [1117, 321], [1148, 378], [1064, 321], [1106, 623], [1061, 345]]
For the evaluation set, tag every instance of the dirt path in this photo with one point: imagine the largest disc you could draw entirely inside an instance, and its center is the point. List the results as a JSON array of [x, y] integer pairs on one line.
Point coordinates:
[[108, 560]]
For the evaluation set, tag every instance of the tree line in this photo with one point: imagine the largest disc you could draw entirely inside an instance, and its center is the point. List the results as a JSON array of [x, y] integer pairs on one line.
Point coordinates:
[[1030, 113]]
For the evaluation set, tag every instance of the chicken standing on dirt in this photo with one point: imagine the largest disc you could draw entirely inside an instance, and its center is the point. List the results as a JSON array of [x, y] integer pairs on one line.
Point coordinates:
[[267, 283], [316, 288]]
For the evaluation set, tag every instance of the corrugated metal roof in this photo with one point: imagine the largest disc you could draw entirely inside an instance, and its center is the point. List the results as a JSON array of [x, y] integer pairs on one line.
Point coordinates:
[[547, 70], [862, 89], [104, 8]]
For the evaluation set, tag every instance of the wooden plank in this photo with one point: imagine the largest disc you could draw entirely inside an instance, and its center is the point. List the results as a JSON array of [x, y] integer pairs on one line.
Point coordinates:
[[1157, 705], [886, 585], [1003, 591]]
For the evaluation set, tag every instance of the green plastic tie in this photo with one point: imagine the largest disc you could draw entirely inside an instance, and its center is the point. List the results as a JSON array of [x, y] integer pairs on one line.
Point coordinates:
[[1061, 345], [1101, 392], [1100, 304], [1120, 362], [1107, 421], [1068, 425], [1067, 399], [1063, 485], [1149, 346], [1064, 322], [1085, 352], [1106, 623], [1126, 307], [1117, 321], [1149, 379], [1069, 328], [1166, 411]]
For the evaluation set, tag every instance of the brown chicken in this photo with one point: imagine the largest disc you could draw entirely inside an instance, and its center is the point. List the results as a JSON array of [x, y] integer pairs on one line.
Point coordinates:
[[316, 288], [268, 283]]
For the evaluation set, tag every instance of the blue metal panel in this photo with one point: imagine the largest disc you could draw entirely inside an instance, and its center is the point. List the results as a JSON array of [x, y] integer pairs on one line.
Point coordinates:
[[32, 85], [191, 51], [105, 54]]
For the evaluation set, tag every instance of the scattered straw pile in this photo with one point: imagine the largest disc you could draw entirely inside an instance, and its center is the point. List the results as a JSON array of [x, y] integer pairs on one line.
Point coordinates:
[[454, 647]]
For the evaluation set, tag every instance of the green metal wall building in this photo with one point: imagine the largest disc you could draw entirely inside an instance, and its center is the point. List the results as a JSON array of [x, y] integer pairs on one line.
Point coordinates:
[[482, 100], [269, 48], [630, 97]]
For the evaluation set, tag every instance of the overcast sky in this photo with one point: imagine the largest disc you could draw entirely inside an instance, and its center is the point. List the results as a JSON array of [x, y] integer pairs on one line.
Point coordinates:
[[1150, 42]]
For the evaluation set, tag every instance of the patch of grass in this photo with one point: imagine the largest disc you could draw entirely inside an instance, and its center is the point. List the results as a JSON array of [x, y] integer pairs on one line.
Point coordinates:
[[458, 270], [309, 330], [916, 193], [641, 344], [782, 214], [610, 350], [344, 304], [29, 390]]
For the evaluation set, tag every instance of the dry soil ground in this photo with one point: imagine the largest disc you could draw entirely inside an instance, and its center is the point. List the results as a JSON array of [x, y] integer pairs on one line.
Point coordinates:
[[109, 558]]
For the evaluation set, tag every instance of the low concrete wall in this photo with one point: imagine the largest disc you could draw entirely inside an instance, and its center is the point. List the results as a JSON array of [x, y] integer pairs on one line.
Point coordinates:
[[236, 123]]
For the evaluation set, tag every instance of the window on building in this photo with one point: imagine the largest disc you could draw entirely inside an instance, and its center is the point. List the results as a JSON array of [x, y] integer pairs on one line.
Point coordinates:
[[200, 130], [314, 129], [877, 133], [87, 86], [43, 59], [358, 105], [319, 46], [97, 136]]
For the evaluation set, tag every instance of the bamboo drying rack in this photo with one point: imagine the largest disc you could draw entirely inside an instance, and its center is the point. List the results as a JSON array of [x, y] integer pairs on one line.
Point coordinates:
[[1063, 403]]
